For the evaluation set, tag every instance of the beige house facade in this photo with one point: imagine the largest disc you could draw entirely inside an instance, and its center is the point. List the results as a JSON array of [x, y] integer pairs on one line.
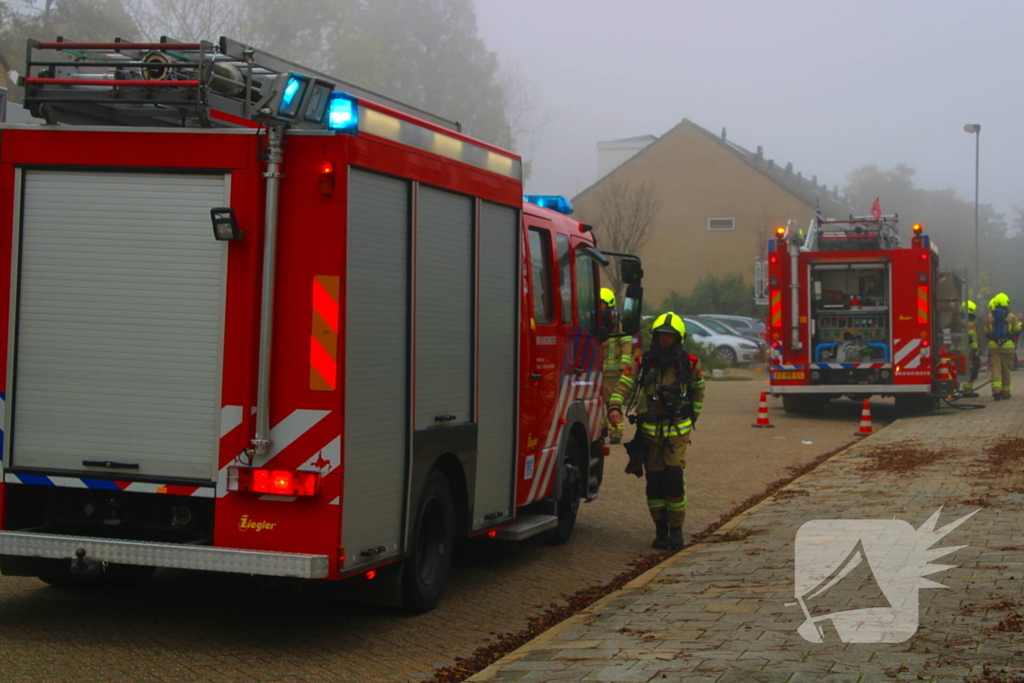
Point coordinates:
[[720, 205]]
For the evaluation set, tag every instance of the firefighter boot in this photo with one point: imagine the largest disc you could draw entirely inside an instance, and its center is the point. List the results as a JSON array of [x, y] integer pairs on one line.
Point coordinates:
[[675, 539], [661, 537]]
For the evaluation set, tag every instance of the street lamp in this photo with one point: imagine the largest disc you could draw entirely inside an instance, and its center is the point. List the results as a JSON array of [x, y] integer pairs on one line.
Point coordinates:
[[976, 129]]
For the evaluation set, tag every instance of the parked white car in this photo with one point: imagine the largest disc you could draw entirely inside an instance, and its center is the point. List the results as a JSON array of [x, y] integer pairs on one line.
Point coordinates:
[[732, 348]]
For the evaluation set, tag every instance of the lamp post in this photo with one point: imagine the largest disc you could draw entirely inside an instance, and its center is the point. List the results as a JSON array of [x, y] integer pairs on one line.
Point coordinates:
[[975, 128]]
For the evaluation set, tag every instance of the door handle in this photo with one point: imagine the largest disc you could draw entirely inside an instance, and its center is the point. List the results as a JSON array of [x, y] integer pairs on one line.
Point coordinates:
[[536, 377], [443, 418]]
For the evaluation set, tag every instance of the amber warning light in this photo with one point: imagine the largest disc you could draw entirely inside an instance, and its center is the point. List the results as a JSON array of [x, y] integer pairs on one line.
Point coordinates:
[[917, 228], [276, 482]]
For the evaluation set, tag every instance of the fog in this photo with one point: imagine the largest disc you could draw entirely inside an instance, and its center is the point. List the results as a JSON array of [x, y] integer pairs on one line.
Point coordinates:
[[828, 86]]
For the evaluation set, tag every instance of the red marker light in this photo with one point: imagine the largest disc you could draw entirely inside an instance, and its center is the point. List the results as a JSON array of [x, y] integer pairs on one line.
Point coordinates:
[[493, 533], [371, 575], [275, 482], [925, 343], [924, 256], [326, 177], [773, 259]]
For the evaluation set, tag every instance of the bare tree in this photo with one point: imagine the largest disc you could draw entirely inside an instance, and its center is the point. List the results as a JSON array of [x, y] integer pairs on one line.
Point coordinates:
[[526, 116], [623, 214], [183, 19]]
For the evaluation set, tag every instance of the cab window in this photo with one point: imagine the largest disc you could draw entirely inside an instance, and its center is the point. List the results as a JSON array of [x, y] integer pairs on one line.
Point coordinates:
[[540, 265], [586, 291], [564, 277]]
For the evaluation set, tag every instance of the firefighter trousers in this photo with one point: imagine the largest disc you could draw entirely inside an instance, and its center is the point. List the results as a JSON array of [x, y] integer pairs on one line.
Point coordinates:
[[666, 485], [610, 380], [1000, 360]]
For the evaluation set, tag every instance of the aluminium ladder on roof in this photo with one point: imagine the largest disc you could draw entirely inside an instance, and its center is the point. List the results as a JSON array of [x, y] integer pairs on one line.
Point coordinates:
[[166, 83]]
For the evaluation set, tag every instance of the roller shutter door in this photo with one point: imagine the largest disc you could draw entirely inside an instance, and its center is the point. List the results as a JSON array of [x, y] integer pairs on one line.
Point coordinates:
[[119, 324], [376, 366]]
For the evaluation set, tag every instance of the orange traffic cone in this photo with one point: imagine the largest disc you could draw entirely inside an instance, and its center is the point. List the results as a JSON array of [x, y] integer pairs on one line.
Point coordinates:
[[762, 412], [865, 420]]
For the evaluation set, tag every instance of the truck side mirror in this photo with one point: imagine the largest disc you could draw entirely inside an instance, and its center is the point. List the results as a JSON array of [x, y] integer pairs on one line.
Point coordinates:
[[631, 305], [631, 270]]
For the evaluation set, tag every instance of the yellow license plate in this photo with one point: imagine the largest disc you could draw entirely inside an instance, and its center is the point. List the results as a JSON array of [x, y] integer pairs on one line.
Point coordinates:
[[788, 375]]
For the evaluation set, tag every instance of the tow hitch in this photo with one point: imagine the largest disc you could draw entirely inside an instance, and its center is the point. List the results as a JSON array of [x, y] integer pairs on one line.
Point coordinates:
[[83, 567]]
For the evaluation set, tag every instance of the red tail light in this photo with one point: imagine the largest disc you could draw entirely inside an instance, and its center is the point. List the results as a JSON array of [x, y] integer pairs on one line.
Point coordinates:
[[276, 482]]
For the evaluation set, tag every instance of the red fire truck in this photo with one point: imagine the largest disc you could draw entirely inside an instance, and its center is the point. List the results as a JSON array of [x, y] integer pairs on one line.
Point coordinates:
[[262, 322], [852, 312]]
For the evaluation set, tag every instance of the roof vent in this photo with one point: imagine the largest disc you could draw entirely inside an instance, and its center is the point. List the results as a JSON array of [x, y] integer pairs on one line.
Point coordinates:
[[760, 152], [723, 133], [789, 168]]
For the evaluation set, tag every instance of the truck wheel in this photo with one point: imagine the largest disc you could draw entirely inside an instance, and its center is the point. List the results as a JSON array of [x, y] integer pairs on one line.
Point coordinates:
[[572, 491], [430, 555], [727, 354], [807, 404], [909, 404]]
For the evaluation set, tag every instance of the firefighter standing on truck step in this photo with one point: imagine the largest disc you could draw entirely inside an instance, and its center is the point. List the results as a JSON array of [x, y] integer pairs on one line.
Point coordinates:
[[972, 335], [1002, 329], [671, 384], [618, 354]]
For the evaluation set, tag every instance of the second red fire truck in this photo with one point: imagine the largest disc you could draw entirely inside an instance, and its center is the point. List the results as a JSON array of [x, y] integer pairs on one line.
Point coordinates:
[[259, 323], [851, 311]]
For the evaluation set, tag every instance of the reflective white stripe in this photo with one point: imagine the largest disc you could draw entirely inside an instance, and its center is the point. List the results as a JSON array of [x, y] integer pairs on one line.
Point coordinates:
[[903, 352], [327, 459], [292, 427], [230, 418], [552, 432]]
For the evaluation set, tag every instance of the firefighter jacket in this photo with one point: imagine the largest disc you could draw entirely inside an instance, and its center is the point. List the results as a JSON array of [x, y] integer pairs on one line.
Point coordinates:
[[618, 354], [1012, 328], [972, 335], [670, 401]]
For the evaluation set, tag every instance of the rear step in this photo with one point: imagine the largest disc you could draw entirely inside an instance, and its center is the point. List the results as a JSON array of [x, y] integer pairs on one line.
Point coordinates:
[[527, 526]]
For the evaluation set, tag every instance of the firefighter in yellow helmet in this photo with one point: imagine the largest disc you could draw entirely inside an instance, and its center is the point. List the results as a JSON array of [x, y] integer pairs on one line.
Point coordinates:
[[618, 354], [972, 334], [1002, 329], [671, 383]]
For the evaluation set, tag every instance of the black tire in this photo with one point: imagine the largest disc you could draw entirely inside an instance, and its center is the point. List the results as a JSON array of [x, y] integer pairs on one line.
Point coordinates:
[[572, 490], [430, 554], [911, 404], [808, 404], [727, 354], [115, 576]]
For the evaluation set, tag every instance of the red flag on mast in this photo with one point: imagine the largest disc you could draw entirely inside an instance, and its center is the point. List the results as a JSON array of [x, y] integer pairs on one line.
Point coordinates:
[[876, 209]]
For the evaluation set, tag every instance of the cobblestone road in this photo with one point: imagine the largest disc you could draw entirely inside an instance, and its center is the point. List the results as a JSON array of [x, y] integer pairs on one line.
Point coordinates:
[[185, 627], [726, 611]]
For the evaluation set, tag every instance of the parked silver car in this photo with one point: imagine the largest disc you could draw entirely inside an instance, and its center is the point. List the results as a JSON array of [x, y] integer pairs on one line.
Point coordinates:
[[746, 326], [731, 347]]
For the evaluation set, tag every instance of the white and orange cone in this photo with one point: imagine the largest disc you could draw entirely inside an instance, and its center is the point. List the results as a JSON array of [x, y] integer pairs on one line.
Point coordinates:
[[762, 412], [865, 420]]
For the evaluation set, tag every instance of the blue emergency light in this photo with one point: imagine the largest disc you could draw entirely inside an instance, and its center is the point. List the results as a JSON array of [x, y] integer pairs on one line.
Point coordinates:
[[555, 202], [343, 113], [292, 96]]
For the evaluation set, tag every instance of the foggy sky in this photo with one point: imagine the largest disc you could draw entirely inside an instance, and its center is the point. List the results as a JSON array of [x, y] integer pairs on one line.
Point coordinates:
[[827, 85]]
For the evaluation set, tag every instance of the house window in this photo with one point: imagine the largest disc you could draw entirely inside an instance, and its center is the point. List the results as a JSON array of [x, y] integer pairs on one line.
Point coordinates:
[[721, 224]]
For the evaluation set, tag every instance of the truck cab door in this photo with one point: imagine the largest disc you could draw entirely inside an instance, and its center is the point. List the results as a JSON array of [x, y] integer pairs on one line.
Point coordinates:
[[544, 383]]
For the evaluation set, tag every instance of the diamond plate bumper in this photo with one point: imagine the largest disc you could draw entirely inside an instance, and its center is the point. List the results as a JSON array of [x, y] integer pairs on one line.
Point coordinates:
[[297, 565]]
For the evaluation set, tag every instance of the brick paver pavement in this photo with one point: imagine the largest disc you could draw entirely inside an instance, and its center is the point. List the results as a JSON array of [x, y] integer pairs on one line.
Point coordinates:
[[725, 611]]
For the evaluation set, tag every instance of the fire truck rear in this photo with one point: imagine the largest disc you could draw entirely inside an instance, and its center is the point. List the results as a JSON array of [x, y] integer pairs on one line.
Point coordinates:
[[263, 322], [852, 312]]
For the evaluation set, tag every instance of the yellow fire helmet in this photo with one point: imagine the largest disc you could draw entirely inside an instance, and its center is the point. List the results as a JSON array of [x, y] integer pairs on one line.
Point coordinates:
[[970, 306], [608, 296], [999, 300], [669, 322]]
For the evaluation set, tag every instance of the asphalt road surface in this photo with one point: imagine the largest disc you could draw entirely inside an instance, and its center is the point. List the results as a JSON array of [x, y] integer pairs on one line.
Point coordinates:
[[185, 627]]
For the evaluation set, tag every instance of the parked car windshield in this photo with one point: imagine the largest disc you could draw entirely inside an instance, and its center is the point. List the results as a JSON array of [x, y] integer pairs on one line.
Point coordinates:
[[720, 327]]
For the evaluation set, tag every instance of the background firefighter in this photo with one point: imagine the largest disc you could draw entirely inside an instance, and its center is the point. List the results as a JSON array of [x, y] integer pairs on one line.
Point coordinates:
[[972, 335], [1002, 329], [670, 383], [618, 355]]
